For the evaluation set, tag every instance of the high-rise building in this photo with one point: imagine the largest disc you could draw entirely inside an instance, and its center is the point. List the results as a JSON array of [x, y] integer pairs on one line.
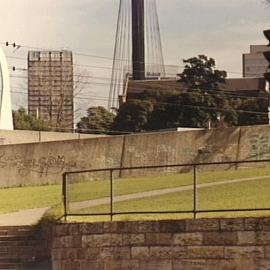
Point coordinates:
[[50, 88], [254, 62]]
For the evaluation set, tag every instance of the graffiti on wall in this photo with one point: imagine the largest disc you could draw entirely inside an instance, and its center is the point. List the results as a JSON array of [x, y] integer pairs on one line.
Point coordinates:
[[51, 164], [259, 146], [148, 155]]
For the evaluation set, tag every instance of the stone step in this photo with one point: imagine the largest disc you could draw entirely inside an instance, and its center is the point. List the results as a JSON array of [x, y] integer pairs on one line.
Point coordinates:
[[15, 230], [19, 249], [16, 260], [23, 266], [17, 238], [22, 247], [8, 266], [40, 265], [20, 243]]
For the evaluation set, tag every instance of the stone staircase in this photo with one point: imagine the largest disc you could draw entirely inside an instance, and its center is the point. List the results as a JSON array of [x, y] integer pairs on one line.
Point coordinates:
[[24, 248]]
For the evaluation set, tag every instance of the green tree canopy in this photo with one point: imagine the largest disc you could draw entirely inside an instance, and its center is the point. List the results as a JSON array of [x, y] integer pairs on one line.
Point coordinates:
[[98, 120], [133, 116], [253, 111], [24, 121], [200, 101], [200, 74], [203, 100]]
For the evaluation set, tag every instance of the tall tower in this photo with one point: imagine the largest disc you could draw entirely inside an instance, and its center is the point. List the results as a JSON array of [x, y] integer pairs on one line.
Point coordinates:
[[50, 88], [6, 121], [138, 50]]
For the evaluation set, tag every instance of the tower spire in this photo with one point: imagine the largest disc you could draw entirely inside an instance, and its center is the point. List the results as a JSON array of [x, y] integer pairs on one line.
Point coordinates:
[[138, 47], [138, 40]]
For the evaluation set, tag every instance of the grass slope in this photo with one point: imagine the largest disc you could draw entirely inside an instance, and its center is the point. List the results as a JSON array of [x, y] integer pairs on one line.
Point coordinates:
[[252, 195], [15, 199]]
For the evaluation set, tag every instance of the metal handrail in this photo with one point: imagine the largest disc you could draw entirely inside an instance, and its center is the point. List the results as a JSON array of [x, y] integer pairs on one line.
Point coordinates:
[[195, 209], [167, 166]]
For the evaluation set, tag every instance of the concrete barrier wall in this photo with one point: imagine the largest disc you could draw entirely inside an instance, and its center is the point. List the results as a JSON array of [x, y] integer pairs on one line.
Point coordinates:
[[26, 136], [43, 163], [183, 147], [213, 244]]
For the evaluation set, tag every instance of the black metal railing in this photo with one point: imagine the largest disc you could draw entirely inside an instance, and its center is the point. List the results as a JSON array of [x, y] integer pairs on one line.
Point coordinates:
[[109, 172]]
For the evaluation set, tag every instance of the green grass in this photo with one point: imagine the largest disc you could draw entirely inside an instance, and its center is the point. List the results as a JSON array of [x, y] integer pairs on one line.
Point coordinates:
[[100, 189], [15, 199], [244, 195]]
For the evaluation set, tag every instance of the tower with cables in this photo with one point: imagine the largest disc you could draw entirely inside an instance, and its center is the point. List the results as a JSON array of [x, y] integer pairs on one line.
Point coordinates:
[[138, 49]]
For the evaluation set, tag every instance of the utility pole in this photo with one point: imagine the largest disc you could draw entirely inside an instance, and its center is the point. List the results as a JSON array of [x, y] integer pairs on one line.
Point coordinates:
[[138, 40]]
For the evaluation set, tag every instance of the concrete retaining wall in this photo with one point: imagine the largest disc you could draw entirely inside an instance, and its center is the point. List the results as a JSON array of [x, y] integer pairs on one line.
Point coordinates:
[[212, 244], [43, 163], [26, 136]]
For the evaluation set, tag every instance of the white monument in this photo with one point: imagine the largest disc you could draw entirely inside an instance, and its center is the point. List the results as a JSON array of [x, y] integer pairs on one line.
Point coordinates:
[[5, 99]]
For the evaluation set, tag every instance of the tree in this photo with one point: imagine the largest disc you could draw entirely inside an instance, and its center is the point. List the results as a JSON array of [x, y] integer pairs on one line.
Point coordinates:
[[133, 116], [98, 120], [24, 121], [200, 74], [203, 101], [253, 111], [200, 101]]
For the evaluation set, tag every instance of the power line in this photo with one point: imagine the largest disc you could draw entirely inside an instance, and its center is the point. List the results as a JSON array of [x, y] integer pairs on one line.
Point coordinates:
[[205, 107], [75, 96], [167, 103], [14, 68], [147, 88], [73, 51], [102, 57], [97, 67]]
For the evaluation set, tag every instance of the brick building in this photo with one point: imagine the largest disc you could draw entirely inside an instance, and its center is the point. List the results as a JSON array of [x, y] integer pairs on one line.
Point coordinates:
[[50, 88], [239, 86]]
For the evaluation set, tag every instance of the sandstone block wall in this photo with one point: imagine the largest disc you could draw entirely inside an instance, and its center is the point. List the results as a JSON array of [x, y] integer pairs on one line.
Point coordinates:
[[206, 244]]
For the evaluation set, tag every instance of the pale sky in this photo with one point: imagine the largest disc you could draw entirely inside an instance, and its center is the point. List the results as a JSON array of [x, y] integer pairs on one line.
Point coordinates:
[[220, 29]]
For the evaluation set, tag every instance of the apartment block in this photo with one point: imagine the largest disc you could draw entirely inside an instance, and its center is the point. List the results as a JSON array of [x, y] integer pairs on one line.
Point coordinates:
[[254, 62]]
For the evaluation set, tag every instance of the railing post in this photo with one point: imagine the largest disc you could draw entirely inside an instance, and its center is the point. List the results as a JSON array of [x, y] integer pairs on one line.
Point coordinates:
[[194, 191], [65, 199], [111, 194]]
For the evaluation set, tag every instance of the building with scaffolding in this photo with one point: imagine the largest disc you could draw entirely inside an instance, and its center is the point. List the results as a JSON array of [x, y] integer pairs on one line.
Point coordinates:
[[50, 88]]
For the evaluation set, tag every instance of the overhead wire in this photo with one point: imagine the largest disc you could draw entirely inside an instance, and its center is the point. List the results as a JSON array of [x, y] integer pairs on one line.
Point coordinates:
[[74, 52], [144, 86], [115, 53], [124, 24], [139, 83], [110, 68], [173, 104], [205, 107]]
